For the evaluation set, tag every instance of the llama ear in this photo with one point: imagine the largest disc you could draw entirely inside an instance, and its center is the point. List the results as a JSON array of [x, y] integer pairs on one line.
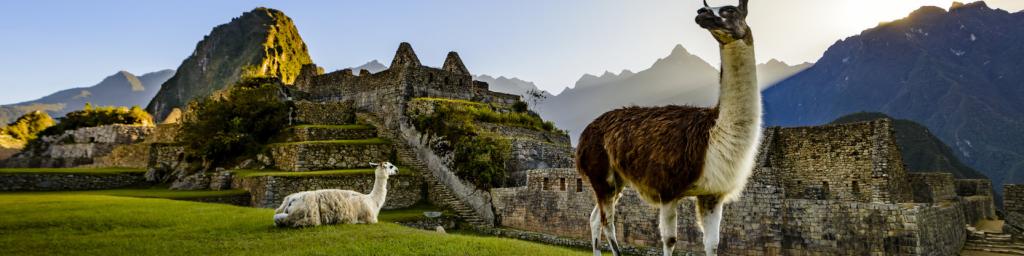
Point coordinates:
[[374, 164], [743, 7]]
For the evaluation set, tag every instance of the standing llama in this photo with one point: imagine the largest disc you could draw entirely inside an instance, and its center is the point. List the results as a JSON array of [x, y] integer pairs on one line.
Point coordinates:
[[335, 206], [672, 152]]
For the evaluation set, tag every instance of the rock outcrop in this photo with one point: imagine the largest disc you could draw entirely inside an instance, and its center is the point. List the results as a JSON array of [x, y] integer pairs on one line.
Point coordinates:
[[260, 43]]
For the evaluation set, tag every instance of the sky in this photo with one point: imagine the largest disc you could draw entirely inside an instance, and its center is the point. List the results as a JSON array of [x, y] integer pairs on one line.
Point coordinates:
[[54, 45]]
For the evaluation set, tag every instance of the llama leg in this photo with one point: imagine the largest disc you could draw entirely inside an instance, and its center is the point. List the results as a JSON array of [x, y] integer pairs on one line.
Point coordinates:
[[609, 224], [667, 224], [595, 230], [709, 209]]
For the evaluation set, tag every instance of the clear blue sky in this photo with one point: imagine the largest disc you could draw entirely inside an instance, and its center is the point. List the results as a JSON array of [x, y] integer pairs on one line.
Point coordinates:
[[53, 45]]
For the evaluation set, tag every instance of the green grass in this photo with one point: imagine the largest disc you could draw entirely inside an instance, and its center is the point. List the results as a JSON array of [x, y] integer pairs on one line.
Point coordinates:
[[91, 171], [337, 127], [373, 141], [73, 223]]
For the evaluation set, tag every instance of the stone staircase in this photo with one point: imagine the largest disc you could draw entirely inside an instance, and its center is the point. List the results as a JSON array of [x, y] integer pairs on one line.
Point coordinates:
[[992, 242], [439, 192]]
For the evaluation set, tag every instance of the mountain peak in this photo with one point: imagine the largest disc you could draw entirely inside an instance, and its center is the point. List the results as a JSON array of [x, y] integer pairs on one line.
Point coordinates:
[[679, 50], [262, 42]]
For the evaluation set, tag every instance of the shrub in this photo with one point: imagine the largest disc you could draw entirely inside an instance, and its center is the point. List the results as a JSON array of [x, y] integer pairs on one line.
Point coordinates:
[[234, 124], [98, 116], [28, 126]]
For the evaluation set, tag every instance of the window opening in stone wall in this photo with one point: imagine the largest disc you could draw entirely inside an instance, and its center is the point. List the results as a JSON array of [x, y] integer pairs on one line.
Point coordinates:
[[856, 187], [92, 139], [824, 190], [562, 184], [544, 186], [579, 185]]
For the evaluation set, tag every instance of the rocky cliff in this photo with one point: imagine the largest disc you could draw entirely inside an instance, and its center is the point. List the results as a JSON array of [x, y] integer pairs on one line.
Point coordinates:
[[260, 43]]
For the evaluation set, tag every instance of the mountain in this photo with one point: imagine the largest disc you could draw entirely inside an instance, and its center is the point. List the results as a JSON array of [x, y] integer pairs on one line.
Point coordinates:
[[679, 78], [921, 150], [956, 72], [260, 43], [120, 89], [511, 86], [373, 66]]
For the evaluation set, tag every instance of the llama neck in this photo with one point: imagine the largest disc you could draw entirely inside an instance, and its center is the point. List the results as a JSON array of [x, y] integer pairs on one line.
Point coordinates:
[[380, 191], [739, 101]]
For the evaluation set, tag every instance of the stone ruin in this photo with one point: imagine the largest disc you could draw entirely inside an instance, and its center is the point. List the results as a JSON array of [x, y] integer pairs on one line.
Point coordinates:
[[830, 190]]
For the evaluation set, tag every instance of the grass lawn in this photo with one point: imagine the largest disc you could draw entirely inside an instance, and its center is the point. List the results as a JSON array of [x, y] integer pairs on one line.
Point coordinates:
[[96, 171], [79, 223]]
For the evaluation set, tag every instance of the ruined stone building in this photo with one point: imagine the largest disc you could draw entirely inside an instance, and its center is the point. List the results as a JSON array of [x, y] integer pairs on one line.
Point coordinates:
[[830, 190]]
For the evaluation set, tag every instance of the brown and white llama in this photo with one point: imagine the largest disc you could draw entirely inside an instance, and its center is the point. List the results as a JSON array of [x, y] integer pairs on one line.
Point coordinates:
[[673, 152]]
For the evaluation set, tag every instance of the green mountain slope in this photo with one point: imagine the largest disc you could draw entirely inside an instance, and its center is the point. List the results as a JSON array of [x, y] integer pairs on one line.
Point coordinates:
[[262, 42]]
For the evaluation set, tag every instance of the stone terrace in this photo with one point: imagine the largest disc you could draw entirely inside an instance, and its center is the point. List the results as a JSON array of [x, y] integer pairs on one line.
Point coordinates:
[[808, 196]]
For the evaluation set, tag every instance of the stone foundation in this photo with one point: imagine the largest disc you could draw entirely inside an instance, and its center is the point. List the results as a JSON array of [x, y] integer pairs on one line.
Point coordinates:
[[932, 187], [328, 113], [269, 191], [63, 182], [315, 133], [1013, 204], [312, 156], [762, 222]]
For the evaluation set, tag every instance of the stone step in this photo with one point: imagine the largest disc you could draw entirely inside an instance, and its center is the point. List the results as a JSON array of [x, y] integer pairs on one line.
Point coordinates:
[[329, 155], [971, 247], [301, 133], [997, 244]]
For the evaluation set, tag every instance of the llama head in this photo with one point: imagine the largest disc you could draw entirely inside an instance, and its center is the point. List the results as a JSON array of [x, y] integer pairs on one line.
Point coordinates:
[[385, 169], [726, 23]]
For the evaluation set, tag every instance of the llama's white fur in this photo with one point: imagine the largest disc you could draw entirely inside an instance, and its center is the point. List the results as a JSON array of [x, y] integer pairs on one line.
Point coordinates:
[[335, 206]]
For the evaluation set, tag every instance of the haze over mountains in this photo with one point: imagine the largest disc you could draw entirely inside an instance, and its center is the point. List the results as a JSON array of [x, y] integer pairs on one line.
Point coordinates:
[[679, 78], [957, 73], [120, 89]]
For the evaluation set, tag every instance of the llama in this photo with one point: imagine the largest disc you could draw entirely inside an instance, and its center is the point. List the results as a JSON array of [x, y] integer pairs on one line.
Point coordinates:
[[335, 206], [673, 152]]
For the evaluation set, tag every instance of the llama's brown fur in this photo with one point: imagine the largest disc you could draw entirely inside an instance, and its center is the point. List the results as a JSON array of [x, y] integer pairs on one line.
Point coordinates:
[[662, 148]]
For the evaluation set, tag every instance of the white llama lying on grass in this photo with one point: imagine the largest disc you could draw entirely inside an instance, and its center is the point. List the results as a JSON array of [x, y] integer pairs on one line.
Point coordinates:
[[335, 206]]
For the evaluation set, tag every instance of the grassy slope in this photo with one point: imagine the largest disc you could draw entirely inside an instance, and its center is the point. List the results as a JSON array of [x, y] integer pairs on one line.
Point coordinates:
[[72, 223]]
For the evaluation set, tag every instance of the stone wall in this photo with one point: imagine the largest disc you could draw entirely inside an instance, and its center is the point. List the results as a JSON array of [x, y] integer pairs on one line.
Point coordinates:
[[974, 187], [269, 191], [307, 112], [313, 133], [78, 147], [978, 208], [1013, 204], [932, 187], [762, 222], [129, 156], [852, 162], [63, 182], [312, 156]]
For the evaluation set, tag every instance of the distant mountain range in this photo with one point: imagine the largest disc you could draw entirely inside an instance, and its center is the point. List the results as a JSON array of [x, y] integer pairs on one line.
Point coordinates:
[[679, 78], [373, 66], [957, 72], [120, 89], [261, 43]]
